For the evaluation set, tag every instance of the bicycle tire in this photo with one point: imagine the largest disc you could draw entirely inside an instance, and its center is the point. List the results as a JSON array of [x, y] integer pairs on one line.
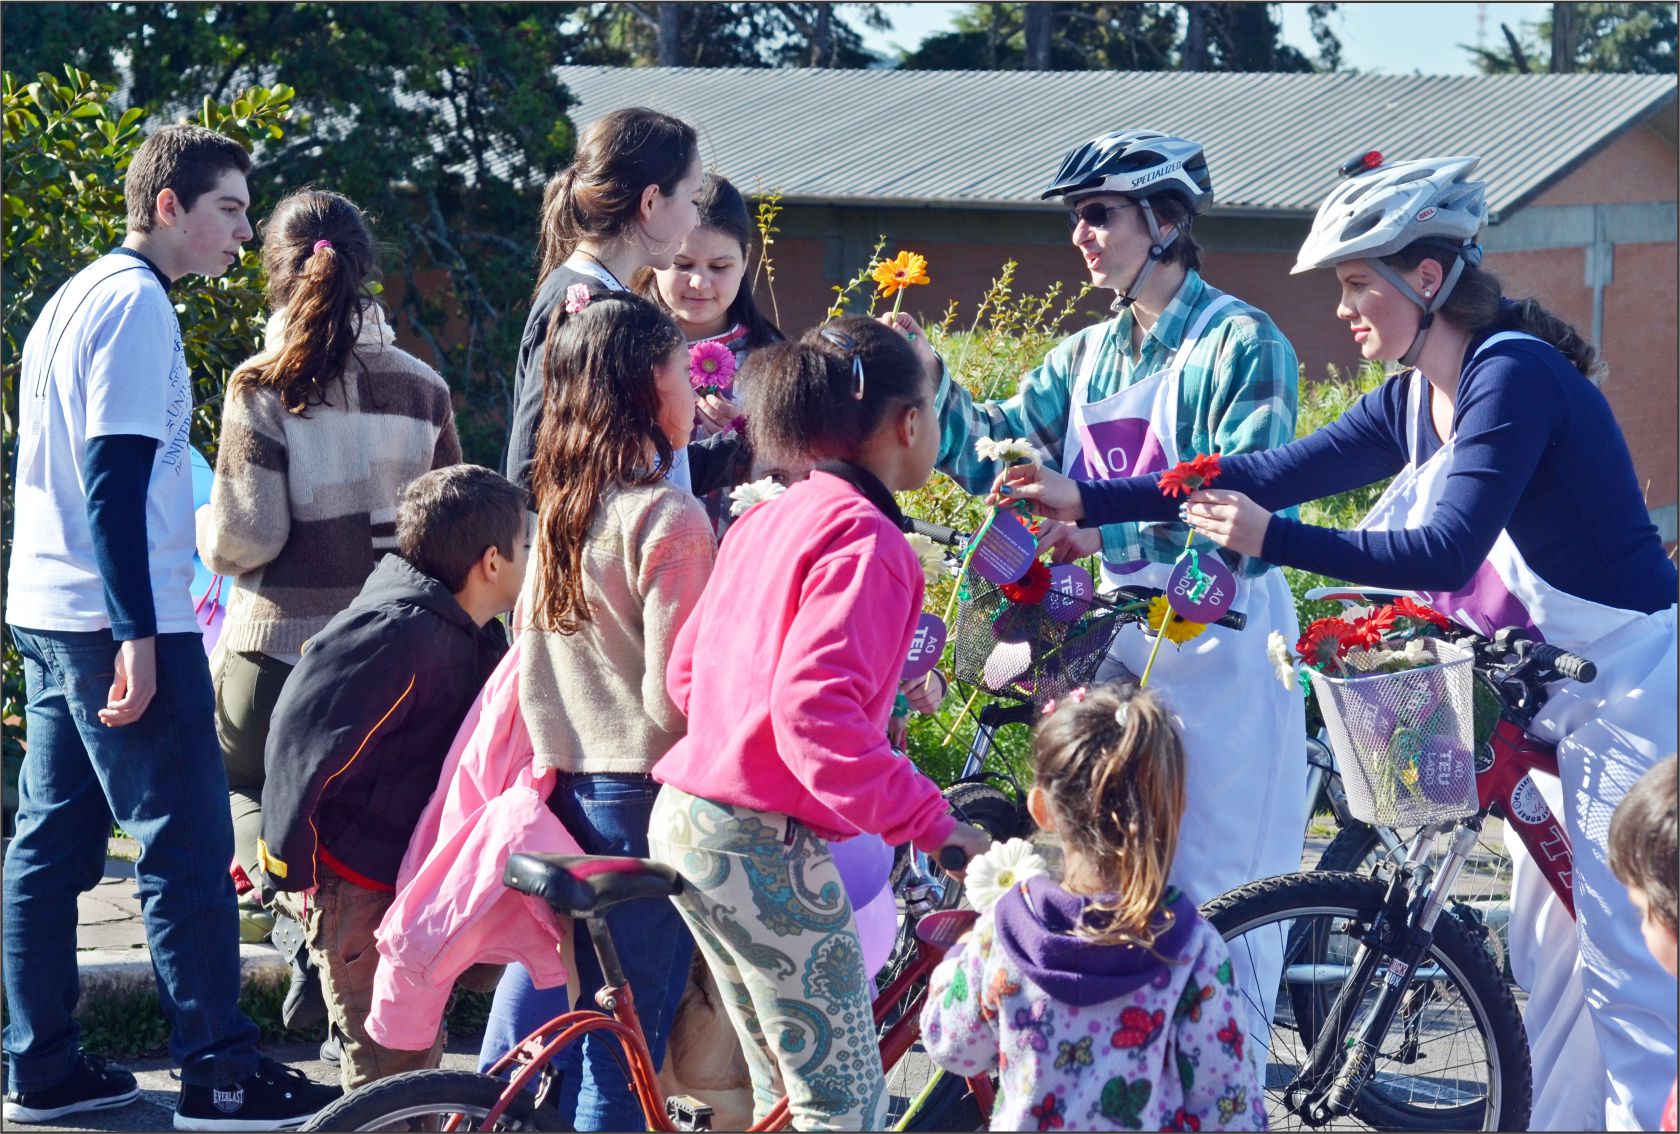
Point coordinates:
[[390, 1104], [1293, 901], [947, 1103], [1355, 850], [989, 809]]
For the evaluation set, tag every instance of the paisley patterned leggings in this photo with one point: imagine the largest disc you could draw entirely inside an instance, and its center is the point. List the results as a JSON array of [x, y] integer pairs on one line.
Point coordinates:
[[770, 916]]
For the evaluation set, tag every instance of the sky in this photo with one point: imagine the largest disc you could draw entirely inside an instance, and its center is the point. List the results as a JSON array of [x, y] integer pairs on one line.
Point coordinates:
[[1397, 38]]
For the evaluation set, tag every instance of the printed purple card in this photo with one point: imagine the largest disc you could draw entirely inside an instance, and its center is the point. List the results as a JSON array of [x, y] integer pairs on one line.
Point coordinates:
[[1070, 592], [925, 647], [1006, 552], [1201, 600]]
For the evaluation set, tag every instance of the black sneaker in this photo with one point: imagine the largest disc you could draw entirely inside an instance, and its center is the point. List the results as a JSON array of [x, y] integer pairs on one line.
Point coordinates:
[[91, 1085], [276, 1097]]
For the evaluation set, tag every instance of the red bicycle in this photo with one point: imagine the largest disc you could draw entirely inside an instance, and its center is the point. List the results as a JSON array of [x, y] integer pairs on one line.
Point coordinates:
[[1389, 1014], [586, 886]]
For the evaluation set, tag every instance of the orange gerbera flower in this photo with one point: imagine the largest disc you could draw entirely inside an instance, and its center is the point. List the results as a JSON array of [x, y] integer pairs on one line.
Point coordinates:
[[893, 276]]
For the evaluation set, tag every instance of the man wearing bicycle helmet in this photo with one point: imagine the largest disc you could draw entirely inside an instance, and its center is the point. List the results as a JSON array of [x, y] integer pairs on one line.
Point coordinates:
[[1514, 503], [1180, 369]]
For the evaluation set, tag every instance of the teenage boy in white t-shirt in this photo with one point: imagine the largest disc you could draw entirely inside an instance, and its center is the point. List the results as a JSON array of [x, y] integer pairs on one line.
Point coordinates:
[[120, 714]]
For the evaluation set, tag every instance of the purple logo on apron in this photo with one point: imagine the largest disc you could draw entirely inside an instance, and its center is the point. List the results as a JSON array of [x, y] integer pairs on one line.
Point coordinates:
[[1127, 446], [1486, 605]]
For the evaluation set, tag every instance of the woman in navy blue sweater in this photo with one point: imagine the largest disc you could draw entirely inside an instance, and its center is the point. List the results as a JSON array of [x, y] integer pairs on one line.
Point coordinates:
[[1514, 503]]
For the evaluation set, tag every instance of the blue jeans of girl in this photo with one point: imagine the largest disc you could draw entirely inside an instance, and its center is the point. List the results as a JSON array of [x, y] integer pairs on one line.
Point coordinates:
[[606, 814]]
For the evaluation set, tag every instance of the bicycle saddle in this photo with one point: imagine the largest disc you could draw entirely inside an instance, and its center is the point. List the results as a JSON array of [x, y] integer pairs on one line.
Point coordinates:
[[587, 885]]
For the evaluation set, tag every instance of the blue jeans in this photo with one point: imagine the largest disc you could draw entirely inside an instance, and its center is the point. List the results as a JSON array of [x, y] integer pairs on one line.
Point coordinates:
[[606, 814], [161, 777]]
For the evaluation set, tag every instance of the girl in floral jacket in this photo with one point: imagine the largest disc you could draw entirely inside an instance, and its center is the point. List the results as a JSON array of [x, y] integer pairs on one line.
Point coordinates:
[[1105, 1002]]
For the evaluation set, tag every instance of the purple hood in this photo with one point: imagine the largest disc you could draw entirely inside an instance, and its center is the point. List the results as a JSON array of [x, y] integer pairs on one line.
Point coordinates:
[[1035, 924]]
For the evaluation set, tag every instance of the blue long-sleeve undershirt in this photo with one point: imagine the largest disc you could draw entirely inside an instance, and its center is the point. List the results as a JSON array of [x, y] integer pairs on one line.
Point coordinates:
[[118, 470], [1537, 454]]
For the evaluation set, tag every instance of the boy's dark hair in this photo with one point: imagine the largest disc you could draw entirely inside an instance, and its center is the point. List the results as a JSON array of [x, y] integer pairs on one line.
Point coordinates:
[[448, 517], [1173, 208], [187, 159], [802, 401], [1642, 841]]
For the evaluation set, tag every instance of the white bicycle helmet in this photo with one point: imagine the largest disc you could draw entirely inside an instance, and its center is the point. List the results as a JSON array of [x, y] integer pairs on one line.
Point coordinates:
[[1138, 164], [1384, 207]]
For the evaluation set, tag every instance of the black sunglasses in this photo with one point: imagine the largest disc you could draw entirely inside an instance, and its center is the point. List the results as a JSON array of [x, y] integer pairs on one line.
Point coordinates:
[[1094, 214], [850, 345]]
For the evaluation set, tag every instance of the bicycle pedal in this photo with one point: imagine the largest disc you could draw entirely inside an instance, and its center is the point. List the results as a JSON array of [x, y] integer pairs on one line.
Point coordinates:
[[688, 1113]]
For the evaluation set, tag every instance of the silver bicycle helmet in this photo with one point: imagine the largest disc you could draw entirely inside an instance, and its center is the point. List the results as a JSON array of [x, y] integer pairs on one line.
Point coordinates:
[[1138, 164], [1384, 207]]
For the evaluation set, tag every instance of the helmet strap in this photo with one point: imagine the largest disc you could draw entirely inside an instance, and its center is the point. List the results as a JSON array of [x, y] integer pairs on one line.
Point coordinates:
[[1157, 252], [1427, 306]]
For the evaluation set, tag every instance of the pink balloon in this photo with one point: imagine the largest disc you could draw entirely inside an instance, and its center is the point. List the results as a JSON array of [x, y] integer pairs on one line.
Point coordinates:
[[877, 926]]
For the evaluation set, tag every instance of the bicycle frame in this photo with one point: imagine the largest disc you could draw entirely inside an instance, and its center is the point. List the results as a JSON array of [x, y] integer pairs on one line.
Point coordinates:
[[617, 1016]]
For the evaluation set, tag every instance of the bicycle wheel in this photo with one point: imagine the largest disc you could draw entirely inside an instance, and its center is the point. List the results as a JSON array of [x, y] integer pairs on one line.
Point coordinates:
[[427, 1100], [1455, 1057], [946, 1103]]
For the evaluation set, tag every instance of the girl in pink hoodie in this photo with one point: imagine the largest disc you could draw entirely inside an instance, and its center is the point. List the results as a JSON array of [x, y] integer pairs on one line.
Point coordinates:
[[805, 624]]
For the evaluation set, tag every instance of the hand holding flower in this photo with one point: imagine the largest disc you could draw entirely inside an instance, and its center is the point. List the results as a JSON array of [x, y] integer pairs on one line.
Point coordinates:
[[905, 324], [715, 413], [1228, 518], [1048, 493]]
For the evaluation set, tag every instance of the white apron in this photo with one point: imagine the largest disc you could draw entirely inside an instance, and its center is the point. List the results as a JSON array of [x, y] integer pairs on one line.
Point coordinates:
[[1601, 1012], [1244, 734]]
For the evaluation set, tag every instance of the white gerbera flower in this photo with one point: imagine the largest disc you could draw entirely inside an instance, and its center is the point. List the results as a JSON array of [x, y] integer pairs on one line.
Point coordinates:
[[1282, 664], [933, 559], [1001, 869], [1007, 451], [744, 496]]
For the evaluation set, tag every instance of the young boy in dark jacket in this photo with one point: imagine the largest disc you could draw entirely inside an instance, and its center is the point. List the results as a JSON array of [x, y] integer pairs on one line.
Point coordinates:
[[365, 722]]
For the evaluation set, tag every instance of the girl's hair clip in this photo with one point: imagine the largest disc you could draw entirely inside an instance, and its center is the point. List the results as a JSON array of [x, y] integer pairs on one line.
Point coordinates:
[[1122, 713], [850, 345], [1074, 696], [320, 244], [577, 298]]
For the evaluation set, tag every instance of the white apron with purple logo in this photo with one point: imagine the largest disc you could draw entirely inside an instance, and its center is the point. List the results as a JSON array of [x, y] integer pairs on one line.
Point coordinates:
[[1244, 734], [1610, 1067]]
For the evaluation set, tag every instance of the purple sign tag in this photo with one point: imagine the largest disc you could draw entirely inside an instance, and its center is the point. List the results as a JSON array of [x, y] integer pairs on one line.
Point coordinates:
[[1007, 550], [1194, 602], [1070, 592], [925, 647]]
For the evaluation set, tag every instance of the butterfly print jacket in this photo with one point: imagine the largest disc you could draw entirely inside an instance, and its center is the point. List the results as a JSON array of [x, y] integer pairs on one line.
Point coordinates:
[[1096, 1037]]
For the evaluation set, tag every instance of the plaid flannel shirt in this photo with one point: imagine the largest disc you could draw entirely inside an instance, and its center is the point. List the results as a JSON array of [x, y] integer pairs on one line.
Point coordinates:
[[1239, 391]]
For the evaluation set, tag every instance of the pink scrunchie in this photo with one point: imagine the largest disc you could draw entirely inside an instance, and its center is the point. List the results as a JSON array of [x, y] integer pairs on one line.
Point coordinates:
[[320, 244]]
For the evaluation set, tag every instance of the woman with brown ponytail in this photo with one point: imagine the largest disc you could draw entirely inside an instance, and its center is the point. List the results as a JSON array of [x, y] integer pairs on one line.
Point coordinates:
[[321, 430], [625, 204]]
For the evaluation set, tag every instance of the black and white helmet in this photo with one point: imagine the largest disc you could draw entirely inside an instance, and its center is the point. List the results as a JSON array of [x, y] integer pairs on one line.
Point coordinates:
[[1139, 164], [1378, 212]]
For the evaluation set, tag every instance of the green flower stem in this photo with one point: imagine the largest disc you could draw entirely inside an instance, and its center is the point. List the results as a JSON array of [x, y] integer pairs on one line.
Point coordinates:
[[1161, 634]]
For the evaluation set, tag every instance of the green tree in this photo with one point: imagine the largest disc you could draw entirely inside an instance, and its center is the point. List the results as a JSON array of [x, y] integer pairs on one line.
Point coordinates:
[[443, 121], [727, 35], [1124, 36], [67, 147], [1638, 38]]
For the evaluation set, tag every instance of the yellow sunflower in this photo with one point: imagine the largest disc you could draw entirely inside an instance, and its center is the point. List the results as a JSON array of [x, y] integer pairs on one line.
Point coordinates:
[[893, 276], [1179, 630]]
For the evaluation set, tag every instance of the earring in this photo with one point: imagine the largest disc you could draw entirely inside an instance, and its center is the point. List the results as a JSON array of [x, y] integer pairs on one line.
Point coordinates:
[[1427, 293]]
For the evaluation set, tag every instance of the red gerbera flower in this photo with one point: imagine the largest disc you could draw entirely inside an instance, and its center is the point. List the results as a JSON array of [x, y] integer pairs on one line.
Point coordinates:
[[1029, 589], [1418, 613], [1323, 642], [1369, 631], [1187, 476]]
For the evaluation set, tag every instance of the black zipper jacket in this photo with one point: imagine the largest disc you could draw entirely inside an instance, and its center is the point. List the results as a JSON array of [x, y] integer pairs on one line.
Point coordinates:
[[363, 725]]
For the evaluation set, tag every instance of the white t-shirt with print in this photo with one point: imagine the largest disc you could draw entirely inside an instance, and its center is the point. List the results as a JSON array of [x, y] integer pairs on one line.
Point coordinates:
[[103, 359]]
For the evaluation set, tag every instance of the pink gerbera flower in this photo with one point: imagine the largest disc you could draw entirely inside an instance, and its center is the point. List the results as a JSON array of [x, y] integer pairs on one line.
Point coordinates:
[[711, 366]]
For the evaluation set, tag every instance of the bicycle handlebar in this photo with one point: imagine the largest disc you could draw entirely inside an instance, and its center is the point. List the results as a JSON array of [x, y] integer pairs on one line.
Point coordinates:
[[938, 533], [952, 858], [1573, 666]]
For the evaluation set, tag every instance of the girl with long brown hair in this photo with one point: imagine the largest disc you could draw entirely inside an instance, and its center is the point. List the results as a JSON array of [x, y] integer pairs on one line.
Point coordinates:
[[622, 555], [321, 431], [1114, 1001]]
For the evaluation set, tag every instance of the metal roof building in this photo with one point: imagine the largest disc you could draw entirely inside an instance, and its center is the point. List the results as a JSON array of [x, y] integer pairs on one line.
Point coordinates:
[[993, 138], [1580, 173]]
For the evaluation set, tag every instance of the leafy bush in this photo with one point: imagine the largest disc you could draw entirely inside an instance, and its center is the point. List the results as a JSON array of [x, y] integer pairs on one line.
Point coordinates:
[[67, 149]]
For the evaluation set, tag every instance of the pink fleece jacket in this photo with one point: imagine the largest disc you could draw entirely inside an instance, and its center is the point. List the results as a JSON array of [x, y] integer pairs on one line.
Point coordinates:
[[803, 630], [452, 910]]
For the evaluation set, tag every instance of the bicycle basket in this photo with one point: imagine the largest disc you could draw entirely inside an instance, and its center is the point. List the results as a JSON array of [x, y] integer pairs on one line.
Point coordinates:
[[1404, 741], [1017, 650]]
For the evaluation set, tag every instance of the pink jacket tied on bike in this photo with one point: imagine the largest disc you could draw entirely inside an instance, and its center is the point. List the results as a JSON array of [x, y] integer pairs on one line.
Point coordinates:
[[452, 911]]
